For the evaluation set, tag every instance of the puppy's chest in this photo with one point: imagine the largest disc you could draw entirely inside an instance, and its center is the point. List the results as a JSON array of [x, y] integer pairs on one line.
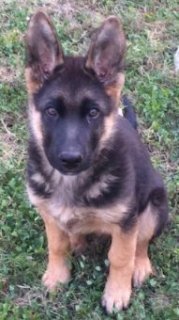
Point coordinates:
[[69, 218], [68, 206]]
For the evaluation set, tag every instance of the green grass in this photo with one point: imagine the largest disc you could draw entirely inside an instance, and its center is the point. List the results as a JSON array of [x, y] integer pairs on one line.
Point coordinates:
[[152, 30]]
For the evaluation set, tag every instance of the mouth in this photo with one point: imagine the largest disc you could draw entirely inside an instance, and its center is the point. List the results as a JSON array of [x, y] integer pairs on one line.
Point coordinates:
[[72, 171]]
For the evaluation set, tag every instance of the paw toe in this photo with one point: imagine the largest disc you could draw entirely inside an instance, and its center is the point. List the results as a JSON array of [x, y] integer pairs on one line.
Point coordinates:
[[143, 269], [52, 278], [116, 301]]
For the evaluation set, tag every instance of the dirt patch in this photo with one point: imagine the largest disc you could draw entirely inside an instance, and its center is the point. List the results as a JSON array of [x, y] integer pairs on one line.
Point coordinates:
[[159, 301], [9, 144], [8, 147], [156, 32], [7, 74]]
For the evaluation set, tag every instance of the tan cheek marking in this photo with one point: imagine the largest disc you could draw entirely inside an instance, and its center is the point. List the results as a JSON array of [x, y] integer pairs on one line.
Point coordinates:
[[38, 178], [108, 129], [35, 123]]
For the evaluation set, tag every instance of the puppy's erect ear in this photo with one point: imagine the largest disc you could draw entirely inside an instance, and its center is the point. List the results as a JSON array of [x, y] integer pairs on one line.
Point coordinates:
[[43, 51], [106, 56]]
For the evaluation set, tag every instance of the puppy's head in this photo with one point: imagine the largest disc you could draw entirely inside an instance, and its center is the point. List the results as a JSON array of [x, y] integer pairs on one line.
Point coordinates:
[[73, 100]]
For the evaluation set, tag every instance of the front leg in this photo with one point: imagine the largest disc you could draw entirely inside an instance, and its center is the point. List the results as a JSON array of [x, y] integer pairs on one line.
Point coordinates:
[[58, 248], [121, 258]]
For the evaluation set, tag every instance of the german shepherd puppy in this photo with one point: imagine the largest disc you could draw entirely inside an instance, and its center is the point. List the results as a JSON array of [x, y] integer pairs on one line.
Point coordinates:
[[87, 169]]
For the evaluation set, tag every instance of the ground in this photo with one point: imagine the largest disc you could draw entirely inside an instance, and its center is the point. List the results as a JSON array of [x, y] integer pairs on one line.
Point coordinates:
[[152, 29]]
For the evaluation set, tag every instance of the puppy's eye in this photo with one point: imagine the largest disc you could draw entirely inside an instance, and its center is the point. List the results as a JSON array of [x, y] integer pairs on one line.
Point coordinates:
[[51, 112], [93, 113]]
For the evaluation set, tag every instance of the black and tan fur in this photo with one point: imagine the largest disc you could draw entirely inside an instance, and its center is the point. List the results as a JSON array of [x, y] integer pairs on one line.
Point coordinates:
[[87, 169]]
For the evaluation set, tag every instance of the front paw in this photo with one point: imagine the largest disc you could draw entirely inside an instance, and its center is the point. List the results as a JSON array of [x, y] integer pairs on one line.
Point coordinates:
[[55, 275], [115, 298], [142, 270]]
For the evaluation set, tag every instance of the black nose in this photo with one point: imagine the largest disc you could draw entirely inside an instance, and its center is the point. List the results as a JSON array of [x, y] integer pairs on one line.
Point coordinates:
[[70, 159]]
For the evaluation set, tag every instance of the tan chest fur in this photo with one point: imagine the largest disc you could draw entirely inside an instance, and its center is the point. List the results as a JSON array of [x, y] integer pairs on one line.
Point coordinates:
[[75, 218]]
